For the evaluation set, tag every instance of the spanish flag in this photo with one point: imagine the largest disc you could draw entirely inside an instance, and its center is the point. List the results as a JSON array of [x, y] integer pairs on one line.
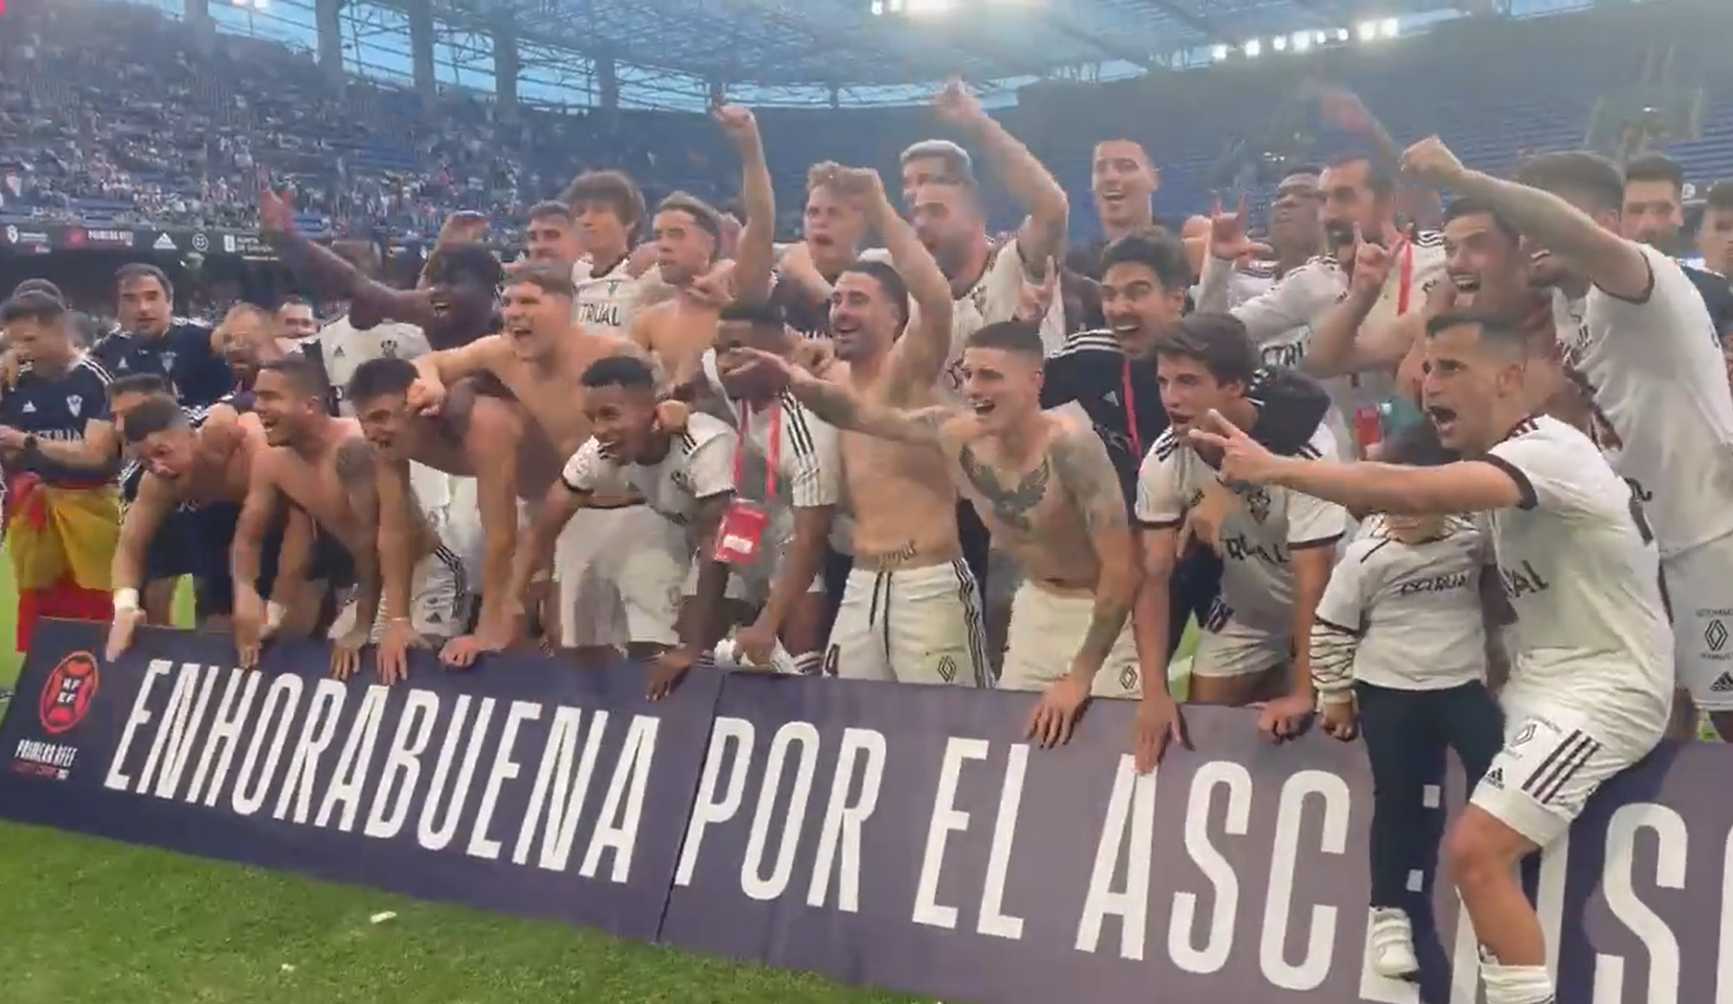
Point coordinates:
[[62, 542]]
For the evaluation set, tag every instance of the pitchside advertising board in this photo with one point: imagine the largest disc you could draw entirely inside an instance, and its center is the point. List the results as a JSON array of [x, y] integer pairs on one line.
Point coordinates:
[[877, 833]]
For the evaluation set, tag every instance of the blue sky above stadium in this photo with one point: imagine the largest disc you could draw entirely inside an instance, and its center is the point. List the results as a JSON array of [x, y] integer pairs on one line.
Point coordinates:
[[855, 52]]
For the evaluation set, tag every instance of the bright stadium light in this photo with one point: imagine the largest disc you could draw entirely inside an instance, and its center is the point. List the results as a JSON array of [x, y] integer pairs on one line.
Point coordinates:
[[917, 7], [1389, 27], [1218, 53], [1279, 43], [1302, 41], [878, 8], [1253, 49], [1341, 34], [1368, 30]]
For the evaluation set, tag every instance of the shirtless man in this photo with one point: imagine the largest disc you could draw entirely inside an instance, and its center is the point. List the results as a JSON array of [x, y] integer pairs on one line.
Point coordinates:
[[909, 610], [688, 239], [506, 459], [1048, 493], [541, 359], [323, 466], [208, 470]]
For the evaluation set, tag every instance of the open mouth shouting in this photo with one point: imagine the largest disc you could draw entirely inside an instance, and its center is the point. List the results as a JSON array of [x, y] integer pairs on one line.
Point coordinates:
[[1443, 419]]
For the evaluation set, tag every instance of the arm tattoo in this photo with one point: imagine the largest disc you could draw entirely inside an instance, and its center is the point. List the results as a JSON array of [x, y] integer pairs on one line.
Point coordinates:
[[1088, 474], [354, 462], [1011, 505]]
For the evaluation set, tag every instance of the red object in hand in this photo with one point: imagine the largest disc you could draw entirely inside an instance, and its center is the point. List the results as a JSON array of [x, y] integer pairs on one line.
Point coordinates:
[[1368, 426]]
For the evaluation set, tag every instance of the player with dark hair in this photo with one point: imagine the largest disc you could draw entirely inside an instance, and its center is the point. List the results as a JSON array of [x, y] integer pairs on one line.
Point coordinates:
[[1654, 214], [550, 236], [1715, 232], [59, 450], [295, 319], [607, 210], [1403, 644], [193, 478], [1591, 681], [678, 331], [323, 466], [150, 339], [686, 478], [1047, 491], [1643, 348], [1276, 545]]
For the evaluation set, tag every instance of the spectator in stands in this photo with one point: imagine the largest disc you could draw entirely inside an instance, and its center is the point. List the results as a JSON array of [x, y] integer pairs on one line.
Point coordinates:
[[59, 449]]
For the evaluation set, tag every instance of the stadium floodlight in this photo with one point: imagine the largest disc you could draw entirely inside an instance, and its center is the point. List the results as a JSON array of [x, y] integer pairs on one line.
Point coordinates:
[[878, 8], [918, 7], [1368, 30], [1302, 41], [1279, 43], [1341, 34], [1218, 53], [1389, 27], [1252, 49]]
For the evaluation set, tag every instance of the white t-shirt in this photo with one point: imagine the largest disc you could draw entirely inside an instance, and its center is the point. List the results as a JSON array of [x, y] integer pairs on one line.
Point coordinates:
[[1415, 607], [343, 348], [1663, 411], [699, 465], [1259, 533], [606, 301], [1582, 572], [992, 299]]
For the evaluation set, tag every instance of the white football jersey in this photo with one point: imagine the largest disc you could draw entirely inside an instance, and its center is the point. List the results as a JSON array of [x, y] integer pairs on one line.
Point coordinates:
[[343, 348], [606, 301], [1663, 412], [699, 464], [808, 466], [1260, 531], [1415, 607], [1580, 567]]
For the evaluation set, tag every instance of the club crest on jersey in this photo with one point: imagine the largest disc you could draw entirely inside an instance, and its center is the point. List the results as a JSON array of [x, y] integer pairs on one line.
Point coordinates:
[[388, 347], [75, 404], [1258, 502]]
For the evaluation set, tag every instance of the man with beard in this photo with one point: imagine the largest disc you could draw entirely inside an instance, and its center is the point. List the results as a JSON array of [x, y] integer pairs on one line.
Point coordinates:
[[295, 320], [1486, 272], [1654, 213], [833, 226], [689, 238], [1645, 353], [987, 280], [1359, 207], [246, 339], [606, 209], [910, 608], [150, 339], [197, 477], [1589, 690], [322, 466]]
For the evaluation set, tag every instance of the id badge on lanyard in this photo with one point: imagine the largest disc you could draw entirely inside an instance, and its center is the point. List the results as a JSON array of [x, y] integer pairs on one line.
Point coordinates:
[[741, 533]]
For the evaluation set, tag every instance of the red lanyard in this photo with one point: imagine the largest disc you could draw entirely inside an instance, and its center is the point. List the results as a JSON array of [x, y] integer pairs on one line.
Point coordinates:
[[1407, 280], [775, 451], [1131, 409]]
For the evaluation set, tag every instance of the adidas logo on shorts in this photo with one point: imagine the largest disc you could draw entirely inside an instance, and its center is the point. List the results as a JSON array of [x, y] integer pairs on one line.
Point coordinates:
[[1494, 778], [1723, 684]]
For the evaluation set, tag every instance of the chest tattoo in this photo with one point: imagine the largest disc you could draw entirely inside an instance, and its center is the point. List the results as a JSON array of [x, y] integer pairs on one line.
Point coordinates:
[[1011, 504]]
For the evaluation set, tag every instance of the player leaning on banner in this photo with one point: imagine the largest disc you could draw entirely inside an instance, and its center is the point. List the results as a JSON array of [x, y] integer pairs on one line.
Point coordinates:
[[1048, 493], [1591, 687]]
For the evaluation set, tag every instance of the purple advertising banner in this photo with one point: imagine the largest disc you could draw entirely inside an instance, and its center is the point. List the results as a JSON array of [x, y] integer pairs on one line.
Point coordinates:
[[898, 836], [521, 786], [910, 839]]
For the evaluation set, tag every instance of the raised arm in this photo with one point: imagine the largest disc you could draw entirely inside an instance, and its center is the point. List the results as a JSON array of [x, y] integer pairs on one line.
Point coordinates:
[[1042, 235], [1343, 342], [919, 355], [753, 253], [1614, 264], [333, 276]]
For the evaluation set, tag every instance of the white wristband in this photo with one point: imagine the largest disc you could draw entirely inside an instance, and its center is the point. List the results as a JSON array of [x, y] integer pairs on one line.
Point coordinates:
[[125, 599], [274, 612]]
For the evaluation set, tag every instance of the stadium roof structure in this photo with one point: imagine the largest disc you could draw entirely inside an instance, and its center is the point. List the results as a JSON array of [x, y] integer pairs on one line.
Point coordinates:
[[678, 53]]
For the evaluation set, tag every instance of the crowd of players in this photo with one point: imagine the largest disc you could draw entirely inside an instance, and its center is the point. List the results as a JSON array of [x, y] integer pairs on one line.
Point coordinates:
[[1462, 489]]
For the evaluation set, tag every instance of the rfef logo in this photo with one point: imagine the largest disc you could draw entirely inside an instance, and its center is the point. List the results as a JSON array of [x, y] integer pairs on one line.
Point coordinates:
[[68, 693]]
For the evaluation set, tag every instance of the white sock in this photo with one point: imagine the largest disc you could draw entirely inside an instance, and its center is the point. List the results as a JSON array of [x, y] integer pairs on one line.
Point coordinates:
[[1516, 984]]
